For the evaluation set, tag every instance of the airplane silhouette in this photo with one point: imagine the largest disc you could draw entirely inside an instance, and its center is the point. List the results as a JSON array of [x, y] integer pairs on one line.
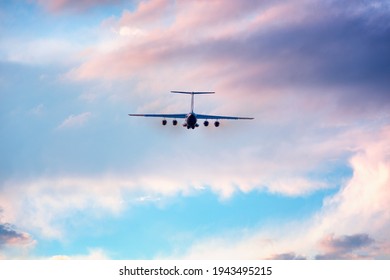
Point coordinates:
[[191, 118]]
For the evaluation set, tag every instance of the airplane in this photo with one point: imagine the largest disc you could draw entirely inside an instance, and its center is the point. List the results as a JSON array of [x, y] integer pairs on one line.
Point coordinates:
[[191, 118]]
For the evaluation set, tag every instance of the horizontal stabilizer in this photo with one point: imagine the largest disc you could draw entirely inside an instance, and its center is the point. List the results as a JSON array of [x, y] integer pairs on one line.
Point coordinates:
[[193, 92]]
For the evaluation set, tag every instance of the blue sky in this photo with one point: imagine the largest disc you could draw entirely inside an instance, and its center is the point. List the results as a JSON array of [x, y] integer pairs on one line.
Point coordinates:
[[309, 177]]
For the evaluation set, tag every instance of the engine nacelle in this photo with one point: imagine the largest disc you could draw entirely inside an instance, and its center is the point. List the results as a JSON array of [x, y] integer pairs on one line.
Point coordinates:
[[164, 122], [216, 123], [174, 122], [206, 123]]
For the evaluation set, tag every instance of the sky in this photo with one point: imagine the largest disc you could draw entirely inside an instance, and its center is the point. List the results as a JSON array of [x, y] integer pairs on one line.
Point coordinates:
[[308, 178]]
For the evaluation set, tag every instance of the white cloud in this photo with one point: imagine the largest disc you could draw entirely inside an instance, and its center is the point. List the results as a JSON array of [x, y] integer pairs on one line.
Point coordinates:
[[131, 32], [93, 254], [75, 120], [359, 211], [45, 51], [43, 203], [37, 110], [360, 206], [363, 204]]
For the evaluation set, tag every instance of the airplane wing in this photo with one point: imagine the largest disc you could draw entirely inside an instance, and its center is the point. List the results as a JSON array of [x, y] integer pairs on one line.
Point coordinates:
[[213, 117], [173, 116]]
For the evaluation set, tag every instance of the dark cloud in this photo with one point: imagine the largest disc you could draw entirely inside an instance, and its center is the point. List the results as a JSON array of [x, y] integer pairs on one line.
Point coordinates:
[[355, 246], [344, 247], [342, 257], [287, 256], [332, 44], [347, 242], [336, 248], [343, 53], [338, 50], [10, 236]]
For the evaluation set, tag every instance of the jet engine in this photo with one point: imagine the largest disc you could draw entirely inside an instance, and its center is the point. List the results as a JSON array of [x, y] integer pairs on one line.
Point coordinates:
[[174, 122], [216, 123], [206, 123], [164, 122]]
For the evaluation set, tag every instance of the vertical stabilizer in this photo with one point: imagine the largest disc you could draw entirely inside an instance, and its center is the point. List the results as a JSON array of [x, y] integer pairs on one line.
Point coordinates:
[[192, 95]]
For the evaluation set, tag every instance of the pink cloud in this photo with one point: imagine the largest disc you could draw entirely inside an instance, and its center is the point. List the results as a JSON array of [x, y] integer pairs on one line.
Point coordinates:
[[159, 34], [165, 34], [363, 202], [212, 18], [147, 12], [269, 49], [57, 6]]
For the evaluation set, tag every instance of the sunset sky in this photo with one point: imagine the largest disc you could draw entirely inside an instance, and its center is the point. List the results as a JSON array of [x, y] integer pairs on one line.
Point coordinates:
[[308, 178]]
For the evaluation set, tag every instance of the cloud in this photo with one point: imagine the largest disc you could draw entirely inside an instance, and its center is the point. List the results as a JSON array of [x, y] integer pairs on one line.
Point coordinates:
[[11, 237], [352, 224], [345, 243], [287, 256], [277, 60], [166, 38], [146, 12], [42, 51], [93, 254], [342, 247], [339, 46], [49, 201], [356, 246], [75, 120], [57, 6], [362, 203], [37, 110], [276, 161], [276, 167]]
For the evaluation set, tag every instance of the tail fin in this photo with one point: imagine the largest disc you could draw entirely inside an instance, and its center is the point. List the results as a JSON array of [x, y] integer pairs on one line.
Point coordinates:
[[192, 95]]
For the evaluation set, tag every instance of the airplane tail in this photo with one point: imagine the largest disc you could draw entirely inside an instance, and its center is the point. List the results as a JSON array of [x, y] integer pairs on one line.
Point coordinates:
[[192, 95]]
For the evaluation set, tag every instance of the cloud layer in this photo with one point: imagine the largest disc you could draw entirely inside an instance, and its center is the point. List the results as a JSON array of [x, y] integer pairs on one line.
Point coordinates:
[[280, 43], [353, 223]]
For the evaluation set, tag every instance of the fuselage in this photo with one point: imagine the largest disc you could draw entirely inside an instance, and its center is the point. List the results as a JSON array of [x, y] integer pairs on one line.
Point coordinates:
[[191, 120]]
